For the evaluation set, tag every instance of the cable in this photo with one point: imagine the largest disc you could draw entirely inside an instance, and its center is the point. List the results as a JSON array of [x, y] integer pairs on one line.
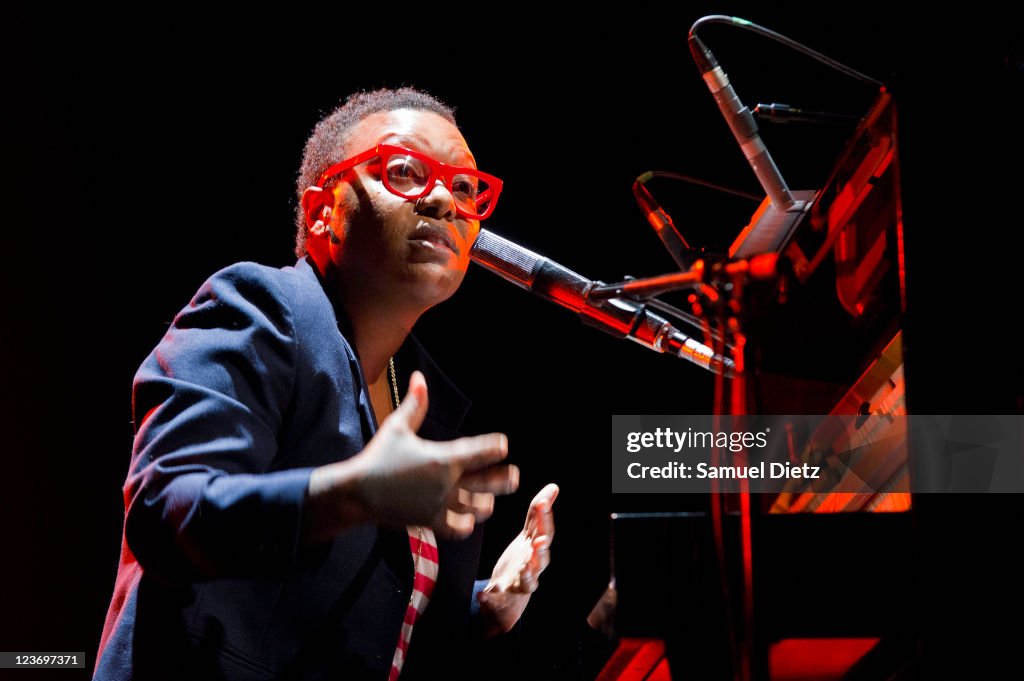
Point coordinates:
[[788, 42], [685, 317], [703, 183]]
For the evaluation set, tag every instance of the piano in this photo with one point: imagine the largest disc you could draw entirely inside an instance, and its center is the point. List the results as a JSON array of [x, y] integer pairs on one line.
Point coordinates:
[[826, 560]]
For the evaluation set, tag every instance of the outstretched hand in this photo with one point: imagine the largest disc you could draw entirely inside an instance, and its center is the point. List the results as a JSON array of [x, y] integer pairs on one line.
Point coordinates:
[[517, 571], [401, 479]]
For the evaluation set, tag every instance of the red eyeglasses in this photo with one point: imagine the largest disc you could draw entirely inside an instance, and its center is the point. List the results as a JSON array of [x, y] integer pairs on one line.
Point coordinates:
[[412, 175]]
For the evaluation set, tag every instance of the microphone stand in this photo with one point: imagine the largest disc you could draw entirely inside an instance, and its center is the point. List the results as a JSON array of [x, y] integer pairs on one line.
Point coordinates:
[[719, 285]]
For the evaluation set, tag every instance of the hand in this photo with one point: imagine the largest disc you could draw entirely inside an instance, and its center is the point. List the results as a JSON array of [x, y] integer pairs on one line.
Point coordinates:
[[400, 479], [516, 573]]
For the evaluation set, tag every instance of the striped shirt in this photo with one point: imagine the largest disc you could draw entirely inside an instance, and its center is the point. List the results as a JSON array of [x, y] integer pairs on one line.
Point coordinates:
[[424, 556]]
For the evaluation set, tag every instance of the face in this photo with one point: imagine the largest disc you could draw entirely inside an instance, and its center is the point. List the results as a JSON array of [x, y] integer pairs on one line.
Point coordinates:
[[391, 246]]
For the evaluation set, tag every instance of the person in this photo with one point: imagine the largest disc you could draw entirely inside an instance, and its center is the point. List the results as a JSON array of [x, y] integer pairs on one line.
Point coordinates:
[[288, 514]]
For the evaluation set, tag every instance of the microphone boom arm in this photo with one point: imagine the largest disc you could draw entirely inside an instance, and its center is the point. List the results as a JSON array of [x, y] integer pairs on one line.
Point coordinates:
[[621, 318]]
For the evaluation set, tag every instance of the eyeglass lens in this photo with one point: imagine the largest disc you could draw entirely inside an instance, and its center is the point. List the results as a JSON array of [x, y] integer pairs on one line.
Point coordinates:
[[409, 176]]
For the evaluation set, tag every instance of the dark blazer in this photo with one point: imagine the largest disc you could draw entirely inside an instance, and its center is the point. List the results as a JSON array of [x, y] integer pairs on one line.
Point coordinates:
[[254, 385]]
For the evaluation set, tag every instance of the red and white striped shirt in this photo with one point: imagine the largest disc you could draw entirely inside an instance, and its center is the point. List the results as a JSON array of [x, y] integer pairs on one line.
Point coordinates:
[[424, 556]]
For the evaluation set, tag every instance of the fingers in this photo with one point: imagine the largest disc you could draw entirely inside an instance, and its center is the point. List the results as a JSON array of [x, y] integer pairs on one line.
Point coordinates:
[[540, 520], [495, 480], [451, 524], [540, 558], [549, 492], [480, 504], [541, 554], [526, 582], [413, 408], [473, 453], [474, 493]]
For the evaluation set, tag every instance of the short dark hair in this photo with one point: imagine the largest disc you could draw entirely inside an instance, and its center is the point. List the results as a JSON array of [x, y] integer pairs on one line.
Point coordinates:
[[326, 146]]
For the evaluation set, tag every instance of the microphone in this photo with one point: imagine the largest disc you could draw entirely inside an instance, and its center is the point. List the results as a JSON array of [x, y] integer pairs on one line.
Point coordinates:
[[616, 316], [661, 222], [742, 124]]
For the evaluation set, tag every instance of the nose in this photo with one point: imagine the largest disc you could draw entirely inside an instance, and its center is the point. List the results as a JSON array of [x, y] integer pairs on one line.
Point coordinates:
[[438, 203]]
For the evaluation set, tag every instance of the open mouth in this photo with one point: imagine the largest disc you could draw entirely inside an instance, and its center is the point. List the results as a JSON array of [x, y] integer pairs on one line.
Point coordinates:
[[434, 235]]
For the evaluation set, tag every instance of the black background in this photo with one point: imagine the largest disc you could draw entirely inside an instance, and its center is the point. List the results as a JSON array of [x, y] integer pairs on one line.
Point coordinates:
[[140, 157]]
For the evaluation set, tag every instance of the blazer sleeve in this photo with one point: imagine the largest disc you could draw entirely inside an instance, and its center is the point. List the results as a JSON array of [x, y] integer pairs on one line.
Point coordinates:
[[206, 495]]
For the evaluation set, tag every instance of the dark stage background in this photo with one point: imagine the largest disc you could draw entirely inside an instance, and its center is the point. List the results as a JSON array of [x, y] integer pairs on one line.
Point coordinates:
[[138, 161]]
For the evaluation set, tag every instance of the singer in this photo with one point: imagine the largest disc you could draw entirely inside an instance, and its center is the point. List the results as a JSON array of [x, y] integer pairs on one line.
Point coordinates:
[[288, 513]]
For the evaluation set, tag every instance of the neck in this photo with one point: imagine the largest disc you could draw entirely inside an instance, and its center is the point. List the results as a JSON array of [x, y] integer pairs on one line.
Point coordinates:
[[379, 330], [380, 320]]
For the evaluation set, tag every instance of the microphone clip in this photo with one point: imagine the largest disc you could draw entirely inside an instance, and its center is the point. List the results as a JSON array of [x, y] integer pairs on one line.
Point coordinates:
[[720, 273]]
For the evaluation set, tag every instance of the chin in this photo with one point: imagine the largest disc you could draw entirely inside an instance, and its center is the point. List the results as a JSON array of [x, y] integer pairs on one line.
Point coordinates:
[[434, 284]]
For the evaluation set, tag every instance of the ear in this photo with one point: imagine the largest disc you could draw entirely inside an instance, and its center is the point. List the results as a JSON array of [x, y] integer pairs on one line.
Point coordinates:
[[317, 206]]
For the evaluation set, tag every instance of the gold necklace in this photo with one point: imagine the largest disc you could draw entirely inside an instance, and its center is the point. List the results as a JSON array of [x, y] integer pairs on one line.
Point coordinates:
[[419, 529], [394, 382]]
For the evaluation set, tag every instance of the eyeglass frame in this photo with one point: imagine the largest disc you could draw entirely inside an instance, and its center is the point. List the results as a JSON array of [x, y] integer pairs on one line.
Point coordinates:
[[437, 169]]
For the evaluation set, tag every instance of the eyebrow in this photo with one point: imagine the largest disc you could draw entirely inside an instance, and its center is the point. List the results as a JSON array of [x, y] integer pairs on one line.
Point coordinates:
[[419, 143]]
